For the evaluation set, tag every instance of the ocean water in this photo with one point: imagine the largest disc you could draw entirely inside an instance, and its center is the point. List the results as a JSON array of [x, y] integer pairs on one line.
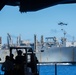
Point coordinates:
[[50, 70], [61, 70], [1, 72]]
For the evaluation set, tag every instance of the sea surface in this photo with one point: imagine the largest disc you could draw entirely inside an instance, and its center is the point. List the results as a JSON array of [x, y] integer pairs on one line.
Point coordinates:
[[51, 70]]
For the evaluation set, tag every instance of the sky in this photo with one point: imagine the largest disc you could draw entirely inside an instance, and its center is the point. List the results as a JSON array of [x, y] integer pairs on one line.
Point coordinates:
[[43, 22]]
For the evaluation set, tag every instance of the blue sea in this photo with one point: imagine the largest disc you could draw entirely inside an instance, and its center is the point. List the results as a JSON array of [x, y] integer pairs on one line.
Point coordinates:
[[61, 70], [50, 70]]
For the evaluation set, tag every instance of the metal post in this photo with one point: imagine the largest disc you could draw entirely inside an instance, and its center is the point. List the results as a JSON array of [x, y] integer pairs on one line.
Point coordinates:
[[10, 51], [55, 69], [26, 62]]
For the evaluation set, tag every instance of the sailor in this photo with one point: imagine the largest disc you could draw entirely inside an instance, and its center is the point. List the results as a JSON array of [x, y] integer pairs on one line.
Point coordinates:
[[19, 63], [7, 66], [12, 58], [33, 62]]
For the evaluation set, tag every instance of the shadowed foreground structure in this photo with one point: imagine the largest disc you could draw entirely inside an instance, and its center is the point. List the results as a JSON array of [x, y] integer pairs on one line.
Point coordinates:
[[33, 5]]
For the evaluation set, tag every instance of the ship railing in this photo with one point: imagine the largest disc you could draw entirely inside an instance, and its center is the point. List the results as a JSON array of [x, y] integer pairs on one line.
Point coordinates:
[[64, 63], [59, 62]]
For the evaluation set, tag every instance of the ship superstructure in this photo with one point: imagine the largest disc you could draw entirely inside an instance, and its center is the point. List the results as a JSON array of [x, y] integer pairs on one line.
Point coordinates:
[[53, 50]]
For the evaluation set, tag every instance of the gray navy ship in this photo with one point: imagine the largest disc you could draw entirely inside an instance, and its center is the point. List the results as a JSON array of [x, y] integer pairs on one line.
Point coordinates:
[[53, 50]]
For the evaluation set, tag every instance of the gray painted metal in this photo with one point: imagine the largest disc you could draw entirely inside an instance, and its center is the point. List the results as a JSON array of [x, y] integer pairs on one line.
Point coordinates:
[[53, 54]]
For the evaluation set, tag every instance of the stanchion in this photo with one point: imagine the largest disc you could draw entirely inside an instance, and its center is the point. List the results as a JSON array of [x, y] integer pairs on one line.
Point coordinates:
[[55, 69]]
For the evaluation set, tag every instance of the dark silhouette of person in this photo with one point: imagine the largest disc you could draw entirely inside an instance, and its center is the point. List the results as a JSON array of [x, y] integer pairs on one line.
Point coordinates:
[[19, 62], [7, 66], [13, 61], [33, 62], [12, 58]]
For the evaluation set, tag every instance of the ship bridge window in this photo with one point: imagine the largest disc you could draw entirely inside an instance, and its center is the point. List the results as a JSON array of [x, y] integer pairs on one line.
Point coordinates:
[[22, 44], [42, 50]]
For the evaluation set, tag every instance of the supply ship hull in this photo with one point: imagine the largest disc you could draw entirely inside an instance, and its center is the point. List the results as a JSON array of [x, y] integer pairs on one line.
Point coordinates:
[[52, 51], [53, 54], [57, 54]]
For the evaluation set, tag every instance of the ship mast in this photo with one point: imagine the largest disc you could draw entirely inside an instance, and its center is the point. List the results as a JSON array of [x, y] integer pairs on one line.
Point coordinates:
[[62, 24], [64, 32]]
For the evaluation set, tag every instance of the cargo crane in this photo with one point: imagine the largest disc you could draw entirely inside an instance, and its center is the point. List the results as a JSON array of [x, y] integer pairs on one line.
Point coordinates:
[[9, 40]]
